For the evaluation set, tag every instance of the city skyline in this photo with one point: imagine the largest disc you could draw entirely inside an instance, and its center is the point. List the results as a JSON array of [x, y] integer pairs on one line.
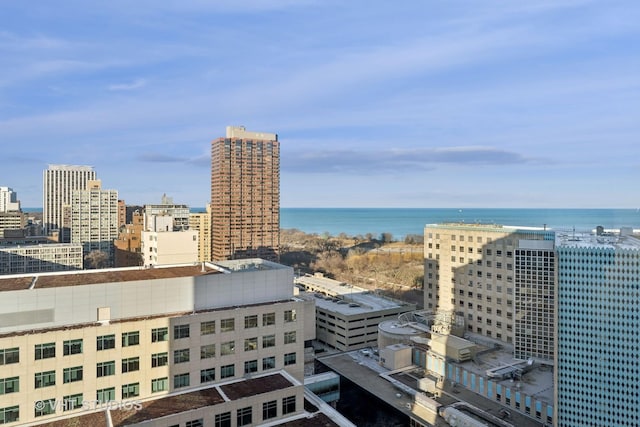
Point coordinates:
[[411, 105]]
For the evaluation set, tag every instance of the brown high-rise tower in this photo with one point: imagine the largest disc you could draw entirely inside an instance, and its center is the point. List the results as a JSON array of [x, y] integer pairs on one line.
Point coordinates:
[[245, 195]]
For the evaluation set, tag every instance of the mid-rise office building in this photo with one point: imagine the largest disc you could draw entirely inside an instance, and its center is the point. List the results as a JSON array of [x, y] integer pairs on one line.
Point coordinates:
[[59, 182], [94, 219], [347, 317], [201, 222], [35, 256], [245, 195], [598, 351], [212, 344], [11, 216], [500, 279]]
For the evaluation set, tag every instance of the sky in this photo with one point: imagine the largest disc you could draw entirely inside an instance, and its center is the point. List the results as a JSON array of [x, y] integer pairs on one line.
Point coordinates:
[[415, 103]]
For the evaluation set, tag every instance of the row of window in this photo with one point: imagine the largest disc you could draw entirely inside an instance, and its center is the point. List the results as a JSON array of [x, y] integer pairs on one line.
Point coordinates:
[[73, 374], [106, 342]]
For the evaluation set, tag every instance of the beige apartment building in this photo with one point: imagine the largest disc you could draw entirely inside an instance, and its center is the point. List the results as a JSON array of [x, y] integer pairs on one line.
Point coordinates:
[[94, 219], [500, 279], [213, 343], [245, 195], [201, 222]]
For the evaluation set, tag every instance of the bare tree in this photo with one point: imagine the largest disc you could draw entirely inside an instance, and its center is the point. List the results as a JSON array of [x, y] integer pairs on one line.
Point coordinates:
[[96, 259]]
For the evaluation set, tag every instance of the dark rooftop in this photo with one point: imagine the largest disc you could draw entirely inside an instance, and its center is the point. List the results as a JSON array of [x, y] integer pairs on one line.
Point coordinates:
[[254, 386]]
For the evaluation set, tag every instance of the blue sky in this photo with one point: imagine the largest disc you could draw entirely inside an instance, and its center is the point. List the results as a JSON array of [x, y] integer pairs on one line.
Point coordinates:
[[377, 104]]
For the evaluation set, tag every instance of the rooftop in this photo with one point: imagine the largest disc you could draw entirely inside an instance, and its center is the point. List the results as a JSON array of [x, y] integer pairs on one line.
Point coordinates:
[[112, 275], [601, 239], [344, 298]]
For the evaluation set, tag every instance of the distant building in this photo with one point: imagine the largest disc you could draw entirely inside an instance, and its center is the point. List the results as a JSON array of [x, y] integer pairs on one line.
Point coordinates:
[[122, 213], [59, 182], [33, 255], [598, 354], [128, 245], [186, 345], [201, 222], [347, 317], [9, 200], [11, 216], [162, 244], [245, 195], [179, 213], [14, 220], [94, 219]]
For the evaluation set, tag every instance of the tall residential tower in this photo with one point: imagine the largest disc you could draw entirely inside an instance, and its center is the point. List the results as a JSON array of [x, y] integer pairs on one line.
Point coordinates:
[[59, 182], [245, 195]]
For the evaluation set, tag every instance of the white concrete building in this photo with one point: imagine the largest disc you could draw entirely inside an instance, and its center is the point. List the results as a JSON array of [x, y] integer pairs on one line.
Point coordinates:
[[212, 344], [8, 200]]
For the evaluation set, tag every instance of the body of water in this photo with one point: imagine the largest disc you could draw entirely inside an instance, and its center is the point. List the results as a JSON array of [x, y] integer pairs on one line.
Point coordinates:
[[401, 222]]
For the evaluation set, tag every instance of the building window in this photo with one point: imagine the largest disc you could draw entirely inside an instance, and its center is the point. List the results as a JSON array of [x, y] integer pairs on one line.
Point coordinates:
[[208, 328], [288, 405], [130, 338], [159, 359], [45, 351], [194, 423], [222, 420], [180, 331], [131, 364], [105, 342], [227, 371], [268, 363], [104, 369], [130, 390], [289, 315], [106, 395], [290, 337], [70, 375], [44, 407], [207, 351], [72, 401], [45, 379], [10, 355], [250, 366], [244, 416], [72, 347], [289, 359], [181, 380], [268, 341], [227, 348], [251, 321], [9, 414], [227, 325], [269, 409], [250, 344], [207, 375], [159, 334], [268, 319], [9, 385], [159, 384], [181, 356]]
